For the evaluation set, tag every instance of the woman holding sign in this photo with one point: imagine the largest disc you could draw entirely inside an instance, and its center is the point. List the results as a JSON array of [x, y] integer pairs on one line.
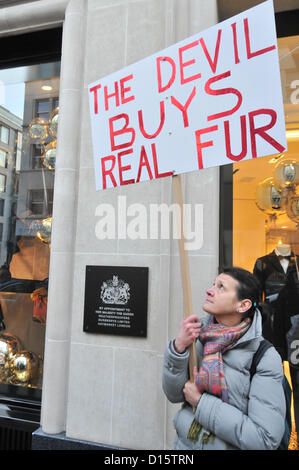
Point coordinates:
[[223, 408]]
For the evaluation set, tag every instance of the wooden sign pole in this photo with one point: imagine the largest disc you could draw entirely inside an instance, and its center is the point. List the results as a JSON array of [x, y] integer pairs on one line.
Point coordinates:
[[184, 263]]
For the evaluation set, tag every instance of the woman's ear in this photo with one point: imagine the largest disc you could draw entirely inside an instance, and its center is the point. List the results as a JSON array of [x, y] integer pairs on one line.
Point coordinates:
[[245, 305]]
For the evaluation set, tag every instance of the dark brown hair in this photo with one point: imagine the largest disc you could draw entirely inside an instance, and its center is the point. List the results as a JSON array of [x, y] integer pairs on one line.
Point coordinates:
[[248, 288]]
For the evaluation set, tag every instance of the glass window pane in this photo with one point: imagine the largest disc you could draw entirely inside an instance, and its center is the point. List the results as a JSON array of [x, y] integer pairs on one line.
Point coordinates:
[[2, 201], [26, 184], [37, 161], [2, 158], [262, 189], [265, 218], [2, 183], [18, 159], [19, 141], [4, 134], [43, 109]]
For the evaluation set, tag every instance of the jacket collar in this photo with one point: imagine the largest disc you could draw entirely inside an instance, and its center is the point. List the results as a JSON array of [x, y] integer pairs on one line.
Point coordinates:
[[274, 260], [255, 330]]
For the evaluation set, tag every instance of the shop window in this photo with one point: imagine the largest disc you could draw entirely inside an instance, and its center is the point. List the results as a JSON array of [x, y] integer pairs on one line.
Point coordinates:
[[259, 224], [27, 165]]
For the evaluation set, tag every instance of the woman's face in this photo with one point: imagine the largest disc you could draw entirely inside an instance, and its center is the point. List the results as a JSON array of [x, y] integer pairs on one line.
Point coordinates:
[[222, 297]]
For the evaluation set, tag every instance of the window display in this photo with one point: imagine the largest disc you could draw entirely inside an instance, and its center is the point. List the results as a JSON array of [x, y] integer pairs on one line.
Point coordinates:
[[265, 227], [29, 113]]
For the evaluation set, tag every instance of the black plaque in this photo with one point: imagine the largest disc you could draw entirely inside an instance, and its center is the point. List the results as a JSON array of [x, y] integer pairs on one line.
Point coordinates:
[[116, 300]]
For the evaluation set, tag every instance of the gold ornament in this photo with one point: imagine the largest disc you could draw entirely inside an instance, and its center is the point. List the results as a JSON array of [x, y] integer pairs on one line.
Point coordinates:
[[38, 129], [53, 122], [24, 366], [293, 208], [9, 346], [49, 155], [286, 174], [268, 198], [44, 231]]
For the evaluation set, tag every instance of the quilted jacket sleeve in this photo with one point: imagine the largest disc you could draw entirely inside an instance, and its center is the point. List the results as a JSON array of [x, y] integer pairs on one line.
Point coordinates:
[[175, 374], [263, 427]]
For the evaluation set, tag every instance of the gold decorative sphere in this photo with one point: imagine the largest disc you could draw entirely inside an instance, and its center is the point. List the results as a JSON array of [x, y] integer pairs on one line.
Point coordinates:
[[53, 122], [38, 129], [44, 230], [286, 174], [292, 208], [49, 155], [9, 346], [268, 198], [24, 366]]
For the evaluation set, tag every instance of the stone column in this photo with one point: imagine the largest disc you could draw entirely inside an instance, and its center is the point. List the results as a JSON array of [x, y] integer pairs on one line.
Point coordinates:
[[57, 343]]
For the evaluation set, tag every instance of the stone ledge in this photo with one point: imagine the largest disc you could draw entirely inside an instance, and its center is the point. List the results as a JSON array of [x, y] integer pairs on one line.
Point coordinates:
[[42, 441]]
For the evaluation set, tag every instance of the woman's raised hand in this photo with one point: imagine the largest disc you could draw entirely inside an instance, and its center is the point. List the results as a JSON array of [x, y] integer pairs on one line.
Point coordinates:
[[189, 331]]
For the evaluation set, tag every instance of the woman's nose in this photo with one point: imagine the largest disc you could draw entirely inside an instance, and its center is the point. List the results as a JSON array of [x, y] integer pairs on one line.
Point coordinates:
[[210, 291]]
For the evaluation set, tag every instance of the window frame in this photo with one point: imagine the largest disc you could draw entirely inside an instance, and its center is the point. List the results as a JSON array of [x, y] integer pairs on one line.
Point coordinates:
[[26, 49]]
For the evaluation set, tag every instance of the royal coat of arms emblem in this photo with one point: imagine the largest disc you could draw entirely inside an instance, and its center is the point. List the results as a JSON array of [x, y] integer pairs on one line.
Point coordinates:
[[115, 291]]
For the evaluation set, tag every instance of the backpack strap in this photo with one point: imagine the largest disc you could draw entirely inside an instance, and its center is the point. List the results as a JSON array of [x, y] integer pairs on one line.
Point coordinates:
[[263, 346]]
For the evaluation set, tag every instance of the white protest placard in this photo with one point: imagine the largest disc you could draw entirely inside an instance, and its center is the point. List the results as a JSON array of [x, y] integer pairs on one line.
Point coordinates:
[[212, 99]]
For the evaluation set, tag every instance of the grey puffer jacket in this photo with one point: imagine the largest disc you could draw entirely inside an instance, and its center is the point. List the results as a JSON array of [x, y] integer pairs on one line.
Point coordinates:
[[253, 418]]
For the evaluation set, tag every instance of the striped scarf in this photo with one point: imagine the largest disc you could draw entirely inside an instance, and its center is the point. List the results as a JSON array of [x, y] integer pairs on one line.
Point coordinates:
[[216, 340]]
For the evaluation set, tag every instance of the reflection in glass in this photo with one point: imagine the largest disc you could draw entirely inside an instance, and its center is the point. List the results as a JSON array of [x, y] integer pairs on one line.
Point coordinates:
[[49, 155], [268, 198], [266, 224], [24, 367], [293, 208], [28, 129], [53, 122], [3, 158], [286, 174], [38, 129]]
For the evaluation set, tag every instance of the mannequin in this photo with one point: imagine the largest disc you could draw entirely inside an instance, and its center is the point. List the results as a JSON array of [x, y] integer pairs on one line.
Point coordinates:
[[283, 251], [272, 270], [278, 275]]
